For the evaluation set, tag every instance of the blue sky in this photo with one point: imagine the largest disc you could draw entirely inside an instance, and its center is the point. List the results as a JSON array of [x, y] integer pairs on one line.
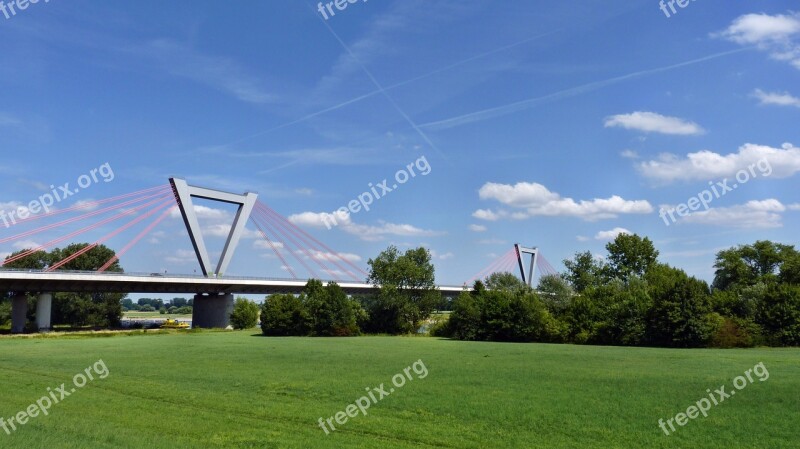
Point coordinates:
[[552, 124]]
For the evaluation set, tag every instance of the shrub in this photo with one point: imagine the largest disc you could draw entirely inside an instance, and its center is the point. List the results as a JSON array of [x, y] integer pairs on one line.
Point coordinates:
[[332, 313], [284, 315], [245, 314], [440, 326], [735, 333], [5, 313]]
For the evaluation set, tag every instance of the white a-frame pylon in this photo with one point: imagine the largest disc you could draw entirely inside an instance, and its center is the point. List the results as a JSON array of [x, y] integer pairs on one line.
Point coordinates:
[[184, 194], [534, 252]]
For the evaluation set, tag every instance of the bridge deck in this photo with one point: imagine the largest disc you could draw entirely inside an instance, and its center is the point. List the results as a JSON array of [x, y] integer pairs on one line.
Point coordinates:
[[93, 282]]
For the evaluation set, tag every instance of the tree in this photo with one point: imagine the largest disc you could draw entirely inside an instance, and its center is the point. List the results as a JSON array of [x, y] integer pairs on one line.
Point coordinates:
[[332, 312], [681, 315], [779, 314], [583, 271], [505, 281], [555, 293], [465, 320], [408, 292], [284, 315], [245, 314], [763, 261], [630, 254]]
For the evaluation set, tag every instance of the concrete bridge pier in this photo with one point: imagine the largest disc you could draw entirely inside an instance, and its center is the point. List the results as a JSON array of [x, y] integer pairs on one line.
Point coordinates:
[[19, 313], [44, 308], [212, 311]]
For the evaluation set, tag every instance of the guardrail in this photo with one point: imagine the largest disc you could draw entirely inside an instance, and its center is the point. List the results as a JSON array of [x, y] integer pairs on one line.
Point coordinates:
[[182, 276]]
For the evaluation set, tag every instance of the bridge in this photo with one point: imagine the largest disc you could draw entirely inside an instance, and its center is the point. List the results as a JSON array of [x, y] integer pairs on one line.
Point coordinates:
[[214, 290]]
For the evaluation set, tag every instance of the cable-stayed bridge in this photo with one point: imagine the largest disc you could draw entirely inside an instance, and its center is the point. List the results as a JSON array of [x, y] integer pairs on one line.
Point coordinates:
[[144, 210]]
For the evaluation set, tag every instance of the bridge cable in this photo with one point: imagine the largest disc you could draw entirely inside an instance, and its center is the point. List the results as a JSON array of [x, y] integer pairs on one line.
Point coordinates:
[[300, 245], [320, 252], [309, 236], [136, 239], [272, 245], [108, 236], [81, 231]]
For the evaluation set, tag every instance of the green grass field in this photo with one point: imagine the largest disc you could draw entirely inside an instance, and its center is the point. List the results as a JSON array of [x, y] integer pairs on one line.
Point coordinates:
[[235, 389]]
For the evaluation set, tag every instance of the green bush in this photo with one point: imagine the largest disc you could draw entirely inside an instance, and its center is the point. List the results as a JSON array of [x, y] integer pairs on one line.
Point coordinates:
[[332, 313], [736, 333], [245, 314], [440, 326], [5, 313], [284, 315]]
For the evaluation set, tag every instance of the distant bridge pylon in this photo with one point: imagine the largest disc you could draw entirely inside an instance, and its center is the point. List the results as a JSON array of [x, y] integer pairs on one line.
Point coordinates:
[[515, 259]]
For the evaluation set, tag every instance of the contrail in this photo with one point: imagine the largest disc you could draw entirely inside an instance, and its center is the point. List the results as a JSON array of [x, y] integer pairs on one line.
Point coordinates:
[[391, 87], [525, 104]]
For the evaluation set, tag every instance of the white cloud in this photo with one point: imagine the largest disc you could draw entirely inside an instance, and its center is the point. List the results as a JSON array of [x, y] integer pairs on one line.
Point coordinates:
[[705, 165], [653, 122], [25, 244], [182, 257], [775, 98], [477, 228], [326, 256], [343, 221], [435, 255], [612, 234], [751, 215], [223, 230], [629, 154], [795, 206], [777, 35], [205, 212], [484, 214], [87, 204], [582, 238], [537, 200], [263, 244]]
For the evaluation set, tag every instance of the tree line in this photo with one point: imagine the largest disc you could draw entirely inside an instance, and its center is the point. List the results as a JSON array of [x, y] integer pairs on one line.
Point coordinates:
[[632, 299]]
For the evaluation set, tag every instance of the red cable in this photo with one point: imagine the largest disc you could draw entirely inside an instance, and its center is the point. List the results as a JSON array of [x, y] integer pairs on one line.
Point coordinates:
[[491, 266], [91, 203], [136, 239], [327, 255], [78, 218], [272, 245], [267, 208], [299, 259], [79, 231], [300, 246], [105, 238]]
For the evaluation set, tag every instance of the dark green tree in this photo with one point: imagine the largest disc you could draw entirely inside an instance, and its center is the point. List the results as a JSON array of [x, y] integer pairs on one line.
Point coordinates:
[[630, 254], [244, 315], [408, 292], [583, 271], [284, 315]]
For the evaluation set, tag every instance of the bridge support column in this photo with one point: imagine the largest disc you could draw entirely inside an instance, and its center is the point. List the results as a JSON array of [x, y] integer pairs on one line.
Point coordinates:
[[43, 312], [212, 311], [19, 313]]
